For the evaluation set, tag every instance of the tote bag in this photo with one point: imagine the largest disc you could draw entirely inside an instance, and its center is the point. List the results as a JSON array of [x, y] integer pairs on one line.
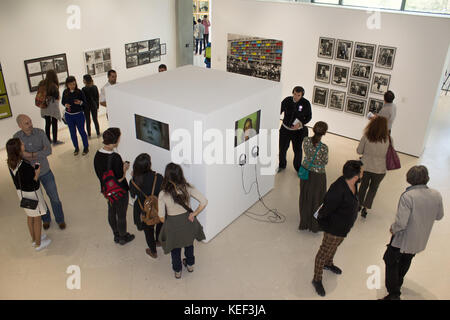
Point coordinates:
[[392, 159]]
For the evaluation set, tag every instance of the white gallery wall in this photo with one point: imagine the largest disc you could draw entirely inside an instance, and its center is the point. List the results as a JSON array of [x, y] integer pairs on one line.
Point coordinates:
[[32, 29], [422, 44]]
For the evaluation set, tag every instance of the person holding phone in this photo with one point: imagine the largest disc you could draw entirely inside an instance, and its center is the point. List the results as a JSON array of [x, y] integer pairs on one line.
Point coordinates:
[[26, 181], [74, 100]]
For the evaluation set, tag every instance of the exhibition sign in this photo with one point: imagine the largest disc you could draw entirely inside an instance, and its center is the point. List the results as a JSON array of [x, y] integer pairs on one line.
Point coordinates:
[[5, 107]]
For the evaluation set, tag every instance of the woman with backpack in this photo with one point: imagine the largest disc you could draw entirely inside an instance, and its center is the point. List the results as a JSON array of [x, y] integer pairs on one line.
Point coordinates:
[[49, 88], [74, 100], [146, 185], [92, 98], [181, 226], [111, 172]]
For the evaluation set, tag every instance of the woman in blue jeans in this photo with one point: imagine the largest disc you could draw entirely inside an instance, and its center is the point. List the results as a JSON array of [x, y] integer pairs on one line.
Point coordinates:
[[73, 100]]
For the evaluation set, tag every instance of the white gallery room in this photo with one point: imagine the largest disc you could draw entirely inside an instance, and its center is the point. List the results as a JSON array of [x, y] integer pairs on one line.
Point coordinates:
[[264, 150]]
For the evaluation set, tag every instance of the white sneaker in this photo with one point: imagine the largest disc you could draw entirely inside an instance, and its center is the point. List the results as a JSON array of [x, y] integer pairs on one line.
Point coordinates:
[[43, 236], [44, 244]]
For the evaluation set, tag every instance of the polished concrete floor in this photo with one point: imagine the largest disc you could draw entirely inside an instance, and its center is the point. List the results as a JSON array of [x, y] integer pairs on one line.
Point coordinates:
[[248, 260]]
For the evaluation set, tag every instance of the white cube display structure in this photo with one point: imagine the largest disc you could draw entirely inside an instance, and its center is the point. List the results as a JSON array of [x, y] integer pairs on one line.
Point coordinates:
[[201, 108]]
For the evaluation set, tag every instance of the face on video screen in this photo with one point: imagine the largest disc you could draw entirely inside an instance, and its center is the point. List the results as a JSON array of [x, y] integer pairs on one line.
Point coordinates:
[[247, 127], [152, 131]]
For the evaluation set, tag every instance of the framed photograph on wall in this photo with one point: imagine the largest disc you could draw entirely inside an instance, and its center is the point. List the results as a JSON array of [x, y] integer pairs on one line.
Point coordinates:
[[203, 6], [375, 105], [385, 57], [340, 76], [323, 72], [364, 51], [355, 106], [5, 107], [358, 88], [142, 52], [361, 70], [163, 49], [326, 48], [320, 96], [337, 100], [98, 61], [344, 50], [37, 68], [380, 83]]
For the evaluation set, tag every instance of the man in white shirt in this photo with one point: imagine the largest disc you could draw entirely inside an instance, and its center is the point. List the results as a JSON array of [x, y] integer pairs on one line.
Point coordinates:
[[112, 80]]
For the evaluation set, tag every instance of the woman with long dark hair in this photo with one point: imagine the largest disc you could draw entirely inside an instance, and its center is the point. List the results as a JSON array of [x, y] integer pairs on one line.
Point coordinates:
[[26, 181], [92, 98], [51, 113], [313, 190], [181, 226], [74, 100], [145, 182], [373, 147]]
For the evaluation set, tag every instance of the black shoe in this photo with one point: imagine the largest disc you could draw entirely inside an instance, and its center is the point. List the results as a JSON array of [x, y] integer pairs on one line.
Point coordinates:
[[333, 269], [55, 143], [116, 239], [128, 238], [46, 225], [364, 213], [76, 152], [62, 225], [319, 288], [391, 297], [85, 151], [189, 268]]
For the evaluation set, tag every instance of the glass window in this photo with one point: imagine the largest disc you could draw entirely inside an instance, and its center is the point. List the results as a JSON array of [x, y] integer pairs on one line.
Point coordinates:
[[436, 6], [384, 4]]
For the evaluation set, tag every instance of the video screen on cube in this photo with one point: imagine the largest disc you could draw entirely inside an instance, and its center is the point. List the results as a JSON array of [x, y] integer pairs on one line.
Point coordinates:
[[152, 131], [247, 128]]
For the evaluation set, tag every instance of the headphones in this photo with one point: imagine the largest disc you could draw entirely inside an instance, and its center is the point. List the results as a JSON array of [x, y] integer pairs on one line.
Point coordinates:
[[242, 159]]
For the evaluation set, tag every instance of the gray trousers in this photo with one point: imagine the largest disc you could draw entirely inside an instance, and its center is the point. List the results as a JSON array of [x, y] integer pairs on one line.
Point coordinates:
[[369, 181]]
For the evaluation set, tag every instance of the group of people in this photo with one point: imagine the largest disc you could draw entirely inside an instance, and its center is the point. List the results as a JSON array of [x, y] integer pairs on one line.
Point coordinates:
[[162, 203], [335, 211], [201, 34]]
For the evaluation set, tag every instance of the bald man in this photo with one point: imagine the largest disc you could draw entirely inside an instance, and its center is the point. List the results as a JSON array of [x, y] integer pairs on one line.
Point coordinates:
[[37, 149]]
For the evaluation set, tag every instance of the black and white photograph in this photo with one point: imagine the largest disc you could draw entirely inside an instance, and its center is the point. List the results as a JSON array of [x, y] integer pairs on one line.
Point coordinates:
[[364, 51], [142, 46], [385, 57], [326, 48], [38, 67], [34, 67], [131, 48], [361, 70], [358, 88], [144, 58], [320, 96], [355, 106], [47, 65], [89, 57], [344, 50], [154, 44], [375, 105], [106, 54], [108, 66], [340, 76], [337, 100], [60, 65], [98, 56], [323, 72], [254, 56], [380, 83], [155, 58], [90, 69], [163, 49], [132, 61], [99, 68]]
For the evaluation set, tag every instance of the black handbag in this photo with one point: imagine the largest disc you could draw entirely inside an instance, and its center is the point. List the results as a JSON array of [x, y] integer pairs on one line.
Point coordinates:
[[27, 203]]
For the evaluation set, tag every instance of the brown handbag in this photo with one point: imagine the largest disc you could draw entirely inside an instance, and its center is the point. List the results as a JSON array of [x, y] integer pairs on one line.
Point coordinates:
[[150, 206]]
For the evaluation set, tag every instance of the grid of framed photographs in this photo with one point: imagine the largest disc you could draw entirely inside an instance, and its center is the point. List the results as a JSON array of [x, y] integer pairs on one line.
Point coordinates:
[[98, 62], [37, 68], [357, 79], [142, 52], [5, 107]]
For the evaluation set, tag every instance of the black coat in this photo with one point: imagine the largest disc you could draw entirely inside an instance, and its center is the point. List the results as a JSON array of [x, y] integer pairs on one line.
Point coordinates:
[[300, 110], [339, 210]]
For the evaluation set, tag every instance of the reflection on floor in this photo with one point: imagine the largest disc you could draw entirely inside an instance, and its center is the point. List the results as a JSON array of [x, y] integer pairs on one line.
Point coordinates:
[[248, 260]]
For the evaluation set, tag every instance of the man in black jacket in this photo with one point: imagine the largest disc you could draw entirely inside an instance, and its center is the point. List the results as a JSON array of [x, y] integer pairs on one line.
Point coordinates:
[[297, 113], [336, 217]]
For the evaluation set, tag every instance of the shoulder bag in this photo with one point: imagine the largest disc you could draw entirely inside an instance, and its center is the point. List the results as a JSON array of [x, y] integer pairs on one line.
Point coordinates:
[[392, 159], [303, 173], [26, 203]]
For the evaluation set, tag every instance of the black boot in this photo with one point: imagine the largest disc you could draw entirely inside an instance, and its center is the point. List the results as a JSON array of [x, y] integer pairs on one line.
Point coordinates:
[[364, 213], [319, 288]]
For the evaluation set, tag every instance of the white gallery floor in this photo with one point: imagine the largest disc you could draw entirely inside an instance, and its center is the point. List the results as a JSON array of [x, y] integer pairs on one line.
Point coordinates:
[[248, 260]]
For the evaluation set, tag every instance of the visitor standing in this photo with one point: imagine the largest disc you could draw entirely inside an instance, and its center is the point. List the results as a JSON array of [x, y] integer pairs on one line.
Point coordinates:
[[199, 30], [206, 23], [92, 102], [51, 113]]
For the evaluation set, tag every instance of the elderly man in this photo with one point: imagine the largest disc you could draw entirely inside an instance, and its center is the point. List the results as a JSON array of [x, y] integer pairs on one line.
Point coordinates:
[[418, 208], [37, 149]]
